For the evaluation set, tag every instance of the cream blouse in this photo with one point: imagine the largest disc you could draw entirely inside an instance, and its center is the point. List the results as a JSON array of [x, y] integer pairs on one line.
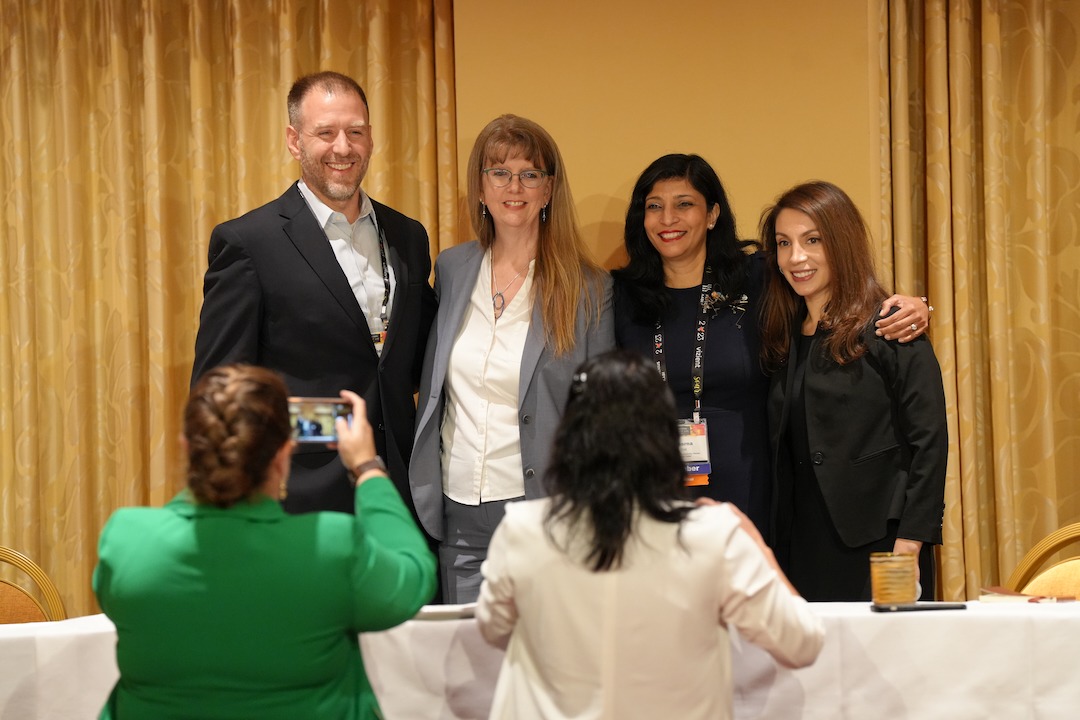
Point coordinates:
[[481, 448]]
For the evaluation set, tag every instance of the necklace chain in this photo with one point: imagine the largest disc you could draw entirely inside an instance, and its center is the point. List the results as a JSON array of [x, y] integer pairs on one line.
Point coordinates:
[[498, 300]]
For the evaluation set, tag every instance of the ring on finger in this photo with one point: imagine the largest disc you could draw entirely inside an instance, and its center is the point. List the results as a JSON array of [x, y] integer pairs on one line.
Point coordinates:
[[914, 327]]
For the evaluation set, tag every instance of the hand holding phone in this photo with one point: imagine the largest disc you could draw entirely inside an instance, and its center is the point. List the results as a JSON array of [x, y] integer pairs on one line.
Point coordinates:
[[356, 441]]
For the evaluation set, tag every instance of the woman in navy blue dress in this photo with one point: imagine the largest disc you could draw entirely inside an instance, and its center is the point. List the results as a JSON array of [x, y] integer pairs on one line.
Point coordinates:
[[689, 299]]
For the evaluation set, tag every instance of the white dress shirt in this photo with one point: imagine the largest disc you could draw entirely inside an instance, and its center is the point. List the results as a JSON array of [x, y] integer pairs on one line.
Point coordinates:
[[356, 247], [649, 640], [481, 446]]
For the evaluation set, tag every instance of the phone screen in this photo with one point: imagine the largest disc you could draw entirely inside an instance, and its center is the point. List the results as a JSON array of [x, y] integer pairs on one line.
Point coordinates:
[[312, 419]]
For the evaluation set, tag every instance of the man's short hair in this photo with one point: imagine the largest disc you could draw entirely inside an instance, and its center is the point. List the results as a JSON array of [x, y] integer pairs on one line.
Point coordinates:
[[329, 82]]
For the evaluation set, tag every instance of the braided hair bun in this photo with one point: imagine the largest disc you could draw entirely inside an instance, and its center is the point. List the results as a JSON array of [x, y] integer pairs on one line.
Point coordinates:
[[236, 420]]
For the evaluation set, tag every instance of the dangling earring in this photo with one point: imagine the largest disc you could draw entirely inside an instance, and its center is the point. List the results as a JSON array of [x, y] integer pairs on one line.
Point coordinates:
[[283, 489], [543, 214], [483, 211]]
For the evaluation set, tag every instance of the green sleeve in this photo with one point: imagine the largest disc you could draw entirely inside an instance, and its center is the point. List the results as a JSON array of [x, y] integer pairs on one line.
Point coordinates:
[[393, 570]]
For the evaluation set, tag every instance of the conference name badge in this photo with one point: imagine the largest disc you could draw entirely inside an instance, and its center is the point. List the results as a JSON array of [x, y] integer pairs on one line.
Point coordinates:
[[379, 338], [694, 446]]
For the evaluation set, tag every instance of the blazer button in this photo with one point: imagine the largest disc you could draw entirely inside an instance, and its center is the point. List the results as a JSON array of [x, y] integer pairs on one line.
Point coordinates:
[[525, 419], [529, 473], [817, 458]]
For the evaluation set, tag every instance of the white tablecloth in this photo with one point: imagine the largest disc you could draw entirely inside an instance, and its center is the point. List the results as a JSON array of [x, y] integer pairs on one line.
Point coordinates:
[[1003, 660], [57, 670]]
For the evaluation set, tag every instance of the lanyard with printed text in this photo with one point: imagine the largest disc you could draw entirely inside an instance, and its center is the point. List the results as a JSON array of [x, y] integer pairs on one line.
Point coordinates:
[[697, 366]]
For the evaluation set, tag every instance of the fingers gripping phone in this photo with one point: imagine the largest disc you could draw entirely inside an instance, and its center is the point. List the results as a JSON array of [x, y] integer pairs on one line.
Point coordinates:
[[312, 418]]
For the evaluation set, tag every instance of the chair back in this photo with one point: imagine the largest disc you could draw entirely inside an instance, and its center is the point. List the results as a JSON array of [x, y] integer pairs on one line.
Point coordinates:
[[1063, 574], [1062, 579], [17, 604]]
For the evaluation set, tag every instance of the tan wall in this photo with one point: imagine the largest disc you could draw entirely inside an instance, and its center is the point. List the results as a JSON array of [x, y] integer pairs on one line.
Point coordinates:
[[770, 92]]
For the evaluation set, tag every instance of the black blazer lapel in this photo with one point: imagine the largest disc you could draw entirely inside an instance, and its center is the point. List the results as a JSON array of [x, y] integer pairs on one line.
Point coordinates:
[[789, 371], [778, 535], [303, 230]]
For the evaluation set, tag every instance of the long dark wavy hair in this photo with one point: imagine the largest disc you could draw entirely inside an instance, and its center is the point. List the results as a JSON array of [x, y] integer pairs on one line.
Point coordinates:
[[724, 252], [616, 453], [854, 291]]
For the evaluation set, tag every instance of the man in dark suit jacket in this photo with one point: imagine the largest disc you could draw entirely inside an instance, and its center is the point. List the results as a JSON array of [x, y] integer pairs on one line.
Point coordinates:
[[327, 287]]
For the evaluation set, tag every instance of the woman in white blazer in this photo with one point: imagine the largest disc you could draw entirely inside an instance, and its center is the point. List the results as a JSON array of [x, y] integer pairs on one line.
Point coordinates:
[[614, 596], [519, 309]]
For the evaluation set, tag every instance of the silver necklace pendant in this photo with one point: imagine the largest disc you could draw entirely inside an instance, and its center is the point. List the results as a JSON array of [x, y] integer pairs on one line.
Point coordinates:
[[498, 300]]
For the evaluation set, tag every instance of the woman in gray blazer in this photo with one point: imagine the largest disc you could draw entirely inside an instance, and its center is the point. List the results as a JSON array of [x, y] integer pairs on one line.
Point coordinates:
[[519, 309]]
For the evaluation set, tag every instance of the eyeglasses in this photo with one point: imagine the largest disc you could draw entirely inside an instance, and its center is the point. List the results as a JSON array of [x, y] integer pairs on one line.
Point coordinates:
[[501, 177]]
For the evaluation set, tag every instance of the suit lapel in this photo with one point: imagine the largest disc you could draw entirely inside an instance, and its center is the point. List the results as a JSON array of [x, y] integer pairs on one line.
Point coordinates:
[[530, 356], [793, 359], [455, 285], [303, 230], [455, 294]]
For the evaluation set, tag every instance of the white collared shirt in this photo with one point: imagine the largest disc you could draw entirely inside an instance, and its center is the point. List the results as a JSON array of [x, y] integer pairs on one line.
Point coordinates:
[[356, 247], [481, 444]]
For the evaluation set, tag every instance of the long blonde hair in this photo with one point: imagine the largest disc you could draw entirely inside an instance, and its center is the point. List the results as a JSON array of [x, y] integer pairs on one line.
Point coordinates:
[[564, 268]]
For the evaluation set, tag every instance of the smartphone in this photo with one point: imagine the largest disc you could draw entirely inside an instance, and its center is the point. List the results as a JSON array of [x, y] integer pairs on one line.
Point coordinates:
[[312, 418], [926, 605]]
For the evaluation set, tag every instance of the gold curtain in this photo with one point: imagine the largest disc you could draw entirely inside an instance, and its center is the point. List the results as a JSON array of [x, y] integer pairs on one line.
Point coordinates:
[[981, 197], [127, 131]]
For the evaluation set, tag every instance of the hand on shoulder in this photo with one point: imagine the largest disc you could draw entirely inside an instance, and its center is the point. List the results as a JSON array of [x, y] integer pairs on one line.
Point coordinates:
[[903, 318]]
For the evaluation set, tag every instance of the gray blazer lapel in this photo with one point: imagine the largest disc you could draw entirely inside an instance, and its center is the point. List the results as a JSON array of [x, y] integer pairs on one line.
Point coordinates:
[[456, 282], [530, 356], [458, 292]]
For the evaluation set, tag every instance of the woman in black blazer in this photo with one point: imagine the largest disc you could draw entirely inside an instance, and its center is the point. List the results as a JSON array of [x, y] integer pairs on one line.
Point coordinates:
[[857, 422]]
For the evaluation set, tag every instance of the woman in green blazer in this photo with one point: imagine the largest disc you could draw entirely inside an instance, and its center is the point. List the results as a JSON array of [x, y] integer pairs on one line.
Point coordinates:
[[226, 607]]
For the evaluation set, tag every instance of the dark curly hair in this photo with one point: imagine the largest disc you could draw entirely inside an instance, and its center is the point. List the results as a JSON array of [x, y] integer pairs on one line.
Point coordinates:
[[724, 252], [616, 453], [235, 421]]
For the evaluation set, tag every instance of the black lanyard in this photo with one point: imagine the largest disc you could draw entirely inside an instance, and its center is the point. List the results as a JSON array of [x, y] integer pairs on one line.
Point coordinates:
[[697, 365], [384, 320]]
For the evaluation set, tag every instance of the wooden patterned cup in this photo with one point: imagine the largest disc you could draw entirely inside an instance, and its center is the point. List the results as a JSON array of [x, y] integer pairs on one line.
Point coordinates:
[[892, 578]]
